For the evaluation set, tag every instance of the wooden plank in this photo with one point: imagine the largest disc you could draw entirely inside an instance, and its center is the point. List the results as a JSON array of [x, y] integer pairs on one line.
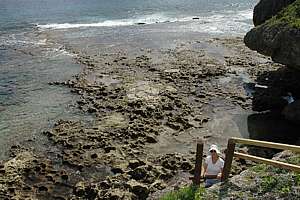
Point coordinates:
[[273, 145], [228, 160], [268, 161], [198, 165]]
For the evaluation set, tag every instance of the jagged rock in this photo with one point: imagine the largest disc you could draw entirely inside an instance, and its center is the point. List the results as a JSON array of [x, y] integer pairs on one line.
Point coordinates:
[[113, 194], [279, 37], [135, 163], [105, 184], [138, 173], [282, 156], [117, 194], [94, 156], [266, 9], [280, 42], [85, 190], [79, 189], [138, 189], [109, 148], [173, 125], [117, 170], [186, 165], [24, 177], [158, 185], [151, 139]]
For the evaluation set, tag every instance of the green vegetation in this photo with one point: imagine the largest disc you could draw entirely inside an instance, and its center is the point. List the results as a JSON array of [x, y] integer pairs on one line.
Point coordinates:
[[297, 179], [278, 181], [259, 168], [280, 185], [294, 160], [268, 183], [186, 193], [260, 181], [289, 16]]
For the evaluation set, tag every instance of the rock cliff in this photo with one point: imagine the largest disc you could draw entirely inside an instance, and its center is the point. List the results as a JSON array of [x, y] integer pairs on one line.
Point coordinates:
[[279, 36], [266, 9]]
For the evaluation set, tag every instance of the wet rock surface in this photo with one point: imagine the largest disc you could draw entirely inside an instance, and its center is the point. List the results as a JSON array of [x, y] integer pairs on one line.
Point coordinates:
[[141, 104]]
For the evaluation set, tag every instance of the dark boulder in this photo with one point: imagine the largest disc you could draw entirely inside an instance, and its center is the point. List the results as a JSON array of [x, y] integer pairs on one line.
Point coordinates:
[[279, 37]]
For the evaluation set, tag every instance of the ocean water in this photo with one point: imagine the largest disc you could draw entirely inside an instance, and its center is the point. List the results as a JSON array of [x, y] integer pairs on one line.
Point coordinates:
[[15, 14], [29, 59]]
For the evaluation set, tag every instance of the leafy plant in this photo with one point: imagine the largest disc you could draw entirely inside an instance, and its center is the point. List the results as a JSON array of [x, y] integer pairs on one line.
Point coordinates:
[[285, 190], [294, 160], [186, 193], [268, 183], [297, 179], [260, 168]]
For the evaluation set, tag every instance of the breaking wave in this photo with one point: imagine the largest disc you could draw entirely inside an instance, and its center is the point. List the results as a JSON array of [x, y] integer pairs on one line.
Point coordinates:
[[222, 22]]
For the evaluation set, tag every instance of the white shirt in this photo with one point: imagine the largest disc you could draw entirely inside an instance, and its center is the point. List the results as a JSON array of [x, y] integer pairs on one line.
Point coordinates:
[[213, 169]]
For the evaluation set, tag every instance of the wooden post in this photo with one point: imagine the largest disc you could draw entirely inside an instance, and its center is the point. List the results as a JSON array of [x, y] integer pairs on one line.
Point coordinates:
[[198, 165], [228, 159]]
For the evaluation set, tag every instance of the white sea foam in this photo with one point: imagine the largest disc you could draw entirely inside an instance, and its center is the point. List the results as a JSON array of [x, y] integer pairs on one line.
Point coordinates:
[[147, 19], [21, 42], [229, 22], [222, 22], [100, 24], [62, 51]]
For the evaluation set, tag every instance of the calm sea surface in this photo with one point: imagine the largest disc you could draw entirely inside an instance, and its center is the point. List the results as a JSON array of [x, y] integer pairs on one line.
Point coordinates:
[[28, 61]]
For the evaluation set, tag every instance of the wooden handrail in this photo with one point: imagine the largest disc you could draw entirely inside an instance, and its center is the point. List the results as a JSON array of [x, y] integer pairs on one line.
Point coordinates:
[[230, 153], [268, 161], [272, 145]]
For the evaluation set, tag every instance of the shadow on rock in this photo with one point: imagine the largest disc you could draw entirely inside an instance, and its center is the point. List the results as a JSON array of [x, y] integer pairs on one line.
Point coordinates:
[[279, 88], [276, 98], [272, 127]]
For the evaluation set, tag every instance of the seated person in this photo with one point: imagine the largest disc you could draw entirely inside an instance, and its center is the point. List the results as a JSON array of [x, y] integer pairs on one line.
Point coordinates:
[[213, 166]]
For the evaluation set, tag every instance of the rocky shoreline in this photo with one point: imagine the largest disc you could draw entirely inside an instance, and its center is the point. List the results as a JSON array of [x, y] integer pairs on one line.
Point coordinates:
[[149, 110], [276, 34]]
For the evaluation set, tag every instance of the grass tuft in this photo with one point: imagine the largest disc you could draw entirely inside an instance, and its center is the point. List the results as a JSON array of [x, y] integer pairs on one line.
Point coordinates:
[[186, 193]]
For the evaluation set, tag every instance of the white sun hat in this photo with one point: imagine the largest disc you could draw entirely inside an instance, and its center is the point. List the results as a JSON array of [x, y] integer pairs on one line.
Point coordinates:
[[214, 147]]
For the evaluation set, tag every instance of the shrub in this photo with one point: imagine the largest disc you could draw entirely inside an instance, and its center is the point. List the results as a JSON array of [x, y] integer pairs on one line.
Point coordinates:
[[186, 193]]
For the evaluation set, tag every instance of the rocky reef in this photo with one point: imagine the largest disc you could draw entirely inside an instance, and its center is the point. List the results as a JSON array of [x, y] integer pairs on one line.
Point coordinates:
[[279, 36], [148, 110]]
